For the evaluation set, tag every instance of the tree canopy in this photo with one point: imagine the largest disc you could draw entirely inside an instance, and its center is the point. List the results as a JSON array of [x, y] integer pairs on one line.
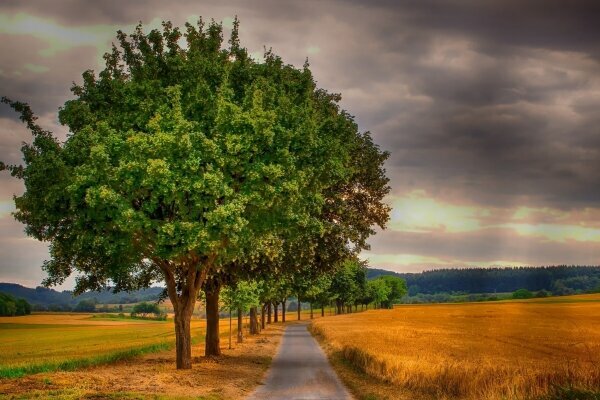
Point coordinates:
[[186, 162]]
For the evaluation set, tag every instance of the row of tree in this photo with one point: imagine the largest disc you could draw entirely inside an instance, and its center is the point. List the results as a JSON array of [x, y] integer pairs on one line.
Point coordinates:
[[347, 289], [189, 162]]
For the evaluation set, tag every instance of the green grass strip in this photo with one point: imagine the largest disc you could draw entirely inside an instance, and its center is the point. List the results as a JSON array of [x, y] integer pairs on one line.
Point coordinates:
[[71, 365]]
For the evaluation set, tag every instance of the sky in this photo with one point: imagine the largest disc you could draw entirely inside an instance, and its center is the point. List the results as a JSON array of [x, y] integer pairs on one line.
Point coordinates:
[[490, 111]]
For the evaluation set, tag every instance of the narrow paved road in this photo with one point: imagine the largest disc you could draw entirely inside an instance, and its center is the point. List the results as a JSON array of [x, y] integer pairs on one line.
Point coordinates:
[[300, 371]]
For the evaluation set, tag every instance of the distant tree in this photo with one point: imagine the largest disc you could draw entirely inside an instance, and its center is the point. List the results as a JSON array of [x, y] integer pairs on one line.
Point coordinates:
[[88, 305], [542, 293], [317, 293], [11, 306], [397, 289], [241, 296], [23, 307], [522, 294], [348, 284], [146, 309], [379, 291], [413, 290]]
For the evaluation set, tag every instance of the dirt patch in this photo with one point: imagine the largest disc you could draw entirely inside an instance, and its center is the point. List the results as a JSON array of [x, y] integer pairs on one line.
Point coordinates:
[[232, 376]]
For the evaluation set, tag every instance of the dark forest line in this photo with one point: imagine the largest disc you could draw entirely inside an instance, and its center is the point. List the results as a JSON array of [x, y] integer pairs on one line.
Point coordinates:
[[559, 280]]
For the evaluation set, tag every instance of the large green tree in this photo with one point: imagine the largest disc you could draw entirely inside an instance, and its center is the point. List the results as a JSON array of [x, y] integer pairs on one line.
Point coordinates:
[[181, 161]]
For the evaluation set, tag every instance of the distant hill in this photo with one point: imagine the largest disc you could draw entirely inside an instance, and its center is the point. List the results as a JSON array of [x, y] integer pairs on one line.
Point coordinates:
[[45, 296], [375, 272], [557, 279]]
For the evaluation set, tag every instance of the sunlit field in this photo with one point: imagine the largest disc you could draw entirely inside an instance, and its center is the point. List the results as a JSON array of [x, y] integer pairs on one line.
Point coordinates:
[[500, 350], [44, 342]]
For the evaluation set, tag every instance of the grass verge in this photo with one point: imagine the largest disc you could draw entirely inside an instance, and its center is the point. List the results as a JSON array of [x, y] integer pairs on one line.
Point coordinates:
[[76, 394], [361, 385], [71, 365]]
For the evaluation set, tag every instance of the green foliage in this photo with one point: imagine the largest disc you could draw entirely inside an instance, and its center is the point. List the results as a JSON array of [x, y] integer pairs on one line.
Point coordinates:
[[10, 306], [86, 306], [180, 154], [397, 289], [184, 163], [241, 296], [348, 284], [542, 293], [378, 291], [146, 308], [522, 294], [561, 279], [317, 291]]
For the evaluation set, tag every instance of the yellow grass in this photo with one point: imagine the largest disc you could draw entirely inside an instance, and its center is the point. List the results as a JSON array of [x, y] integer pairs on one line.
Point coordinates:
[[509, 350], [54, 338]]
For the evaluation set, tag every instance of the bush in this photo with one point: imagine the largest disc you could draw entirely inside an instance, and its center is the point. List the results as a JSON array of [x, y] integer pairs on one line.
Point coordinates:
[[522, 294], [148, 310]]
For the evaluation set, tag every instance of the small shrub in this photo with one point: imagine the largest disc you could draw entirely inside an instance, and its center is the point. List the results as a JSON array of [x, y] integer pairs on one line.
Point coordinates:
[[522, 294], [148, 311]]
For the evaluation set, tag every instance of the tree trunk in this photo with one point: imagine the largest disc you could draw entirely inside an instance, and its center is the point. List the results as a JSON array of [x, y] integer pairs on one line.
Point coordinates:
[[283, 311], [339, 306], [263, 314], [212, 346], [183, 340], [183, 306], [276, 310], [322, 310], [253, 321], [240, 333], [299, 308], [269, 310], [230, 327], [311, 311]]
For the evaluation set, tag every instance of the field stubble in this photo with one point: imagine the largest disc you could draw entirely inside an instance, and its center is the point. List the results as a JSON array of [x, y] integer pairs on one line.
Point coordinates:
[[511, 350]]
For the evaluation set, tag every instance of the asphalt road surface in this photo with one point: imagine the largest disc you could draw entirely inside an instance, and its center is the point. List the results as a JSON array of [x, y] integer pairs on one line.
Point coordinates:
[[300, 371]]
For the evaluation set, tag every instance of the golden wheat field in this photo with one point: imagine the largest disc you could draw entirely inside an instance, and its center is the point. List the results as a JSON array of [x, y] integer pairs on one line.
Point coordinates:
[[504, 350]]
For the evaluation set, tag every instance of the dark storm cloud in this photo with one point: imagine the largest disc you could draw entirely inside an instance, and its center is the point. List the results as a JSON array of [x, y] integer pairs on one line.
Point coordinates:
[[561, 25], [486, 104], [489, 103]]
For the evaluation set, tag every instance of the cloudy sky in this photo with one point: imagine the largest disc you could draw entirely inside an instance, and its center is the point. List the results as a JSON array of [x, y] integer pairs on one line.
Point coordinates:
[[491, 112]]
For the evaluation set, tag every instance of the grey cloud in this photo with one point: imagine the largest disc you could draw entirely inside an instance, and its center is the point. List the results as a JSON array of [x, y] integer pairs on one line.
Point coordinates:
[[489, 244], [493, 102], [21, 257]]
